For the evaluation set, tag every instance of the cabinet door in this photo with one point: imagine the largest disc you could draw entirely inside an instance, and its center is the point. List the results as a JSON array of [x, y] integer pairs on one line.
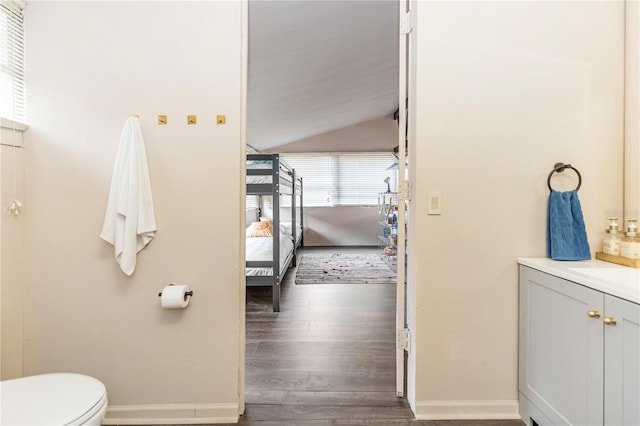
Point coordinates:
[[622, 363], [561, 348]]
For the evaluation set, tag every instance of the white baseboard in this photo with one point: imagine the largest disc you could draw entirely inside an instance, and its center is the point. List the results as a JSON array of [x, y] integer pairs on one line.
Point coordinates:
[[171, 414], [467, 410]]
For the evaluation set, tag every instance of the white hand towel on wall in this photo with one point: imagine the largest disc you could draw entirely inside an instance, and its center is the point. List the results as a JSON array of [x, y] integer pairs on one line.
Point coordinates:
[[129, 222]]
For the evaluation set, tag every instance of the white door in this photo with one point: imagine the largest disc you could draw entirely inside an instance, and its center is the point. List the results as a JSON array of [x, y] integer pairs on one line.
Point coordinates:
[[402, 335]]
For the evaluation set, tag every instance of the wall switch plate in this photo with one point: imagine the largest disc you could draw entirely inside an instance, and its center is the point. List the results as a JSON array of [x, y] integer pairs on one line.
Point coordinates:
[[434, 203]]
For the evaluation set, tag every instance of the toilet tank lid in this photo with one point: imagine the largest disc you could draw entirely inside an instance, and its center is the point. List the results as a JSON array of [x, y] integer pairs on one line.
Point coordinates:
[[51, 399]]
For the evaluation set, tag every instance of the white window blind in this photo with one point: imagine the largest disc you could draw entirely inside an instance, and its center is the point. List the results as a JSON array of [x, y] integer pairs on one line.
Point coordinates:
[[12, 93], [317, 174], [343, 179], [251, 202]]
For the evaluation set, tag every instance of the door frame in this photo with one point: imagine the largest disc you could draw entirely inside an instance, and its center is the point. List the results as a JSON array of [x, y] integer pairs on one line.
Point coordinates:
[[401, 328], [404, 195]]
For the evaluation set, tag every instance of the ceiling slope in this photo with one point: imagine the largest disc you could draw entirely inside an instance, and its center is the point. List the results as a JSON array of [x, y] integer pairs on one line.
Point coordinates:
[[318, 66]]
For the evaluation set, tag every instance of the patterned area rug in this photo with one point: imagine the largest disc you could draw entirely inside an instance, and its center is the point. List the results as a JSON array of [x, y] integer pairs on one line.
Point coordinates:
[[344, 268]]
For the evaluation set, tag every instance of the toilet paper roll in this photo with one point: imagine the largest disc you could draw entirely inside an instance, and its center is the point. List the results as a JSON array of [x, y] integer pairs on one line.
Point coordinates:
[[174, 297]]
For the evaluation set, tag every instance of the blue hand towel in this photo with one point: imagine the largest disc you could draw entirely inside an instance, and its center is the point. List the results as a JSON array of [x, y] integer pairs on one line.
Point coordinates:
[[566, 234]]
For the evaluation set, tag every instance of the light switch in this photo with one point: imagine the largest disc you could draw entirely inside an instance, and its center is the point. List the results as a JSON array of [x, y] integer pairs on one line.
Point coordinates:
[[434, 203]]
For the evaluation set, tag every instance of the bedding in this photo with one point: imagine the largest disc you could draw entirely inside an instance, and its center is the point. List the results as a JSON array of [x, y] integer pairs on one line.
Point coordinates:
[[287, 227], [259, 165], [261, 249], [259, 229]]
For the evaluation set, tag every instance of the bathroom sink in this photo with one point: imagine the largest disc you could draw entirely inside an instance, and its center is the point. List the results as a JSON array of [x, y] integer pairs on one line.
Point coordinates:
[[616, 280], [626, 278]]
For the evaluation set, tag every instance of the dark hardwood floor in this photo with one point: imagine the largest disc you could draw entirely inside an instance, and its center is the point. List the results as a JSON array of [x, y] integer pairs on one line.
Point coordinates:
[[327, 358]]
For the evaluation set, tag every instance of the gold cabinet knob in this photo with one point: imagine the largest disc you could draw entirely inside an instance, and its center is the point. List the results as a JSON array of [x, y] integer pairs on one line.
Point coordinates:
[[594, 314], [610, 321]]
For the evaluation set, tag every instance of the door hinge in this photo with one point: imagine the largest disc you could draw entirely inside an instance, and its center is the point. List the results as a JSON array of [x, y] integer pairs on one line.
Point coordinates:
[[404, 190], [404, 339], [406, 22]]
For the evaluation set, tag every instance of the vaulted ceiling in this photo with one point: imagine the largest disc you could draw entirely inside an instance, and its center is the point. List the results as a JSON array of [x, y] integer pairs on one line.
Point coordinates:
[[318, 66]]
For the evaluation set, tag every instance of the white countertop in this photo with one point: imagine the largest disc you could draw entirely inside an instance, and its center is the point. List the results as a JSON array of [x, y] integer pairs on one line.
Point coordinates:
[[616, 280]]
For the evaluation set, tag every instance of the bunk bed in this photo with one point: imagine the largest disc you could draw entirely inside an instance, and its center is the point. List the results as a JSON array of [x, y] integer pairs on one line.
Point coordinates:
[[278, 192]]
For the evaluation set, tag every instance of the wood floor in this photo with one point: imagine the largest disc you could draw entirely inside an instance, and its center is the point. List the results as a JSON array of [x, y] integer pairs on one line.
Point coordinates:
[[328, 358]]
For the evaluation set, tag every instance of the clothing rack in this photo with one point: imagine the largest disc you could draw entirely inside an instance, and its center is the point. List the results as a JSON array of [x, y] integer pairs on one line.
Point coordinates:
[[561, 167]]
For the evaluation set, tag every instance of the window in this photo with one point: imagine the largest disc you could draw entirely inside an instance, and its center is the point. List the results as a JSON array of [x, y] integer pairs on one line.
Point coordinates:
[[12, 94], [251, 202], [343, 179]]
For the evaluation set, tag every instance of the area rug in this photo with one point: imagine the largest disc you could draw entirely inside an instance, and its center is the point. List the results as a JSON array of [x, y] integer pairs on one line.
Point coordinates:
[[344, 268]]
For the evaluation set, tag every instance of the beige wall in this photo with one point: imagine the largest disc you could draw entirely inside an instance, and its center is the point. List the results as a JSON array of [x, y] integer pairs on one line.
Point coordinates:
[[503, 91], [380, 134], [89, 66], [341, 226]]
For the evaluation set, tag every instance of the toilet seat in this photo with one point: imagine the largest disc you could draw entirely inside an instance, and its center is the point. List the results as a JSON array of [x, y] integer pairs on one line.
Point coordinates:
[[53, 399]]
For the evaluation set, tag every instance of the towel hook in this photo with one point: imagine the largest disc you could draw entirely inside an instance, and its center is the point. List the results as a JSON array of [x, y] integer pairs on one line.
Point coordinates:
[[560, 167]]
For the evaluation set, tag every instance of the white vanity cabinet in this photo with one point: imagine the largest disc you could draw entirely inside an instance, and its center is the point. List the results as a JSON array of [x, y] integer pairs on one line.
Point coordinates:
[[579, 356], [621, 362]]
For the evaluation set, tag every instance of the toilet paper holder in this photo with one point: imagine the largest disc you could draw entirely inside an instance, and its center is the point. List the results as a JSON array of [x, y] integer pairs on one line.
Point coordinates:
[[186, 293]]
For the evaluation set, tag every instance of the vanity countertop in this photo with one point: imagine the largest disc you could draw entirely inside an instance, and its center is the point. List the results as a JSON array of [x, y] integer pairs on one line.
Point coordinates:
[[609, 278]]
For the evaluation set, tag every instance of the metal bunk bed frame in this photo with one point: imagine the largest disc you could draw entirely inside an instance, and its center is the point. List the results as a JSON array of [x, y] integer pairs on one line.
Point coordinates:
[[284, 182]]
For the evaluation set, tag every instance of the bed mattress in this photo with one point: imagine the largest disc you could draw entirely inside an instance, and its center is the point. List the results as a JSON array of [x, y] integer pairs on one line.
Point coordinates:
[[260, 178], [261, 249]]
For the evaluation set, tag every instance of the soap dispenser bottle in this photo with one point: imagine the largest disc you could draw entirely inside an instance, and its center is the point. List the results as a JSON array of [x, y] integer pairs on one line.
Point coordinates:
[[630, 245], [612, 238]]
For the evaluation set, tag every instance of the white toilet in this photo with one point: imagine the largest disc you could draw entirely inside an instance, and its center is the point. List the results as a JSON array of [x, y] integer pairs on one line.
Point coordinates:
[[53, 399]]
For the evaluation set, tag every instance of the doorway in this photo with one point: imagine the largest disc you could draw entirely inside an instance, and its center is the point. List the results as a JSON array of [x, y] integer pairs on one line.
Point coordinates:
[[322, 345]]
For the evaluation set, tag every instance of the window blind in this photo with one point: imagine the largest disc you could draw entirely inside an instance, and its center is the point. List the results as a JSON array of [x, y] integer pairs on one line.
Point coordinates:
[[317, 174], [251, 202], [12, 87], [343, 179]]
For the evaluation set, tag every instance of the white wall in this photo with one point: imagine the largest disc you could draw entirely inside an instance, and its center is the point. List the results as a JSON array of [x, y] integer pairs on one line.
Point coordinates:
[[89, 66], [503, 90]]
